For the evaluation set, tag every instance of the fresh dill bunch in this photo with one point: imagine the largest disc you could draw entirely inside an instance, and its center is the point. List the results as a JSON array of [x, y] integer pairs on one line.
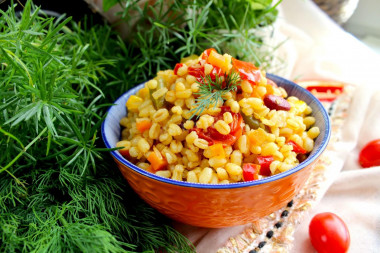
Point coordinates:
[[59, 188], [211, 92]]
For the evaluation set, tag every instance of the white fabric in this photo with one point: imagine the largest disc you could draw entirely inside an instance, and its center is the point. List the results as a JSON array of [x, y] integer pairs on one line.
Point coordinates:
[[325, 51]]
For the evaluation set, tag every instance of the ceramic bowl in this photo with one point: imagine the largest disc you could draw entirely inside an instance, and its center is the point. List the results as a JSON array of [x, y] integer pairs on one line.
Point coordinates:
[[214, 206]]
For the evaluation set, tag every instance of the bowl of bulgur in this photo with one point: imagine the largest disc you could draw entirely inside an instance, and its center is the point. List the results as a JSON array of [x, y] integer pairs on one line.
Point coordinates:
[[216, 141]]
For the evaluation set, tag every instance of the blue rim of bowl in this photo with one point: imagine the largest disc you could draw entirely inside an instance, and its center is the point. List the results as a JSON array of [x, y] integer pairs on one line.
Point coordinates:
[[281, 175]]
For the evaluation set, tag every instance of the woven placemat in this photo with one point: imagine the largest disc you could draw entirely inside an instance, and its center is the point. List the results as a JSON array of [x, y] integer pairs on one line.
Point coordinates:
[[275, 233]]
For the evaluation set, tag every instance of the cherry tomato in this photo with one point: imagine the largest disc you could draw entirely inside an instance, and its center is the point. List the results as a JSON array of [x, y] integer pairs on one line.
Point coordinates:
[[370, 155], [250, 171], [329, 234], [248, 71]]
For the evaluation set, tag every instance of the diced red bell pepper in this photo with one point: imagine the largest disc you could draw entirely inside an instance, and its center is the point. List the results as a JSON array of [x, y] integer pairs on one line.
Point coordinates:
[[264, 162], [250, 171], [297, 148]]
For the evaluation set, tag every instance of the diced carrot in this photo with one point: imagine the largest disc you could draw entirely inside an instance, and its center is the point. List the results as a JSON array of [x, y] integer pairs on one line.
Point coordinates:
[[143, 125], [218, 150], [157, 161]]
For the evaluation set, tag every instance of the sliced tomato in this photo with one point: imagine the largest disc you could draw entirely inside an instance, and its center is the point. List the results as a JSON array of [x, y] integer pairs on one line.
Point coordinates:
[[264, 162], [177, 66], [248, 71], [297, 148], [250, 171]]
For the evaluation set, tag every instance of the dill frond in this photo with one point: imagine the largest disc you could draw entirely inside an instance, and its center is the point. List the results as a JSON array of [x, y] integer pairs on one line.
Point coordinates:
[[211, 92]]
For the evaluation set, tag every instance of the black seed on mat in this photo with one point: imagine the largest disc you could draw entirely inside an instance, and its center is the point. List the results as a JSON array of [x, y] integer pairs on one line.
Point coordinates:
[[252, 251], [270, 234], [284, 213], [262, 244], [278, 224], [290, 204]]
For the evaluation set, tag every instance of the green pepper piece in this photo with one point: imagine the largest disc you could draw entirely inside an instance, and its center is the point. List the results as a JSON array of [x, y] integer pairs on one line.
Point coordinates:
[[252, 122], [158, 103]]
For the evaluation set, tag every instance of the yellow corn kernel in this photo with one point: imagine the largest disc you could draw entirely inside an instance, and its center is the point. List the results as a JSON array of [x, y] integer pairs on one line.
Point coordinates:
[[160, 115], [133, 103], [177, 110], [174, 130], [192, 156], [242, 144], [235, 107], [233, 169], [182, 70], [222, 127], [164, 173], [190, 79], [208, 68], [309, 121], [222, 174], [180, 87], [195, 87], [224, 181], [189, 124], [143, 145], [214, 178], [269, 149], [170, 157], [308, 144], [124, 122], [177, 172], [152, 84], [134, 152], [159, 93], [236, 157], [184, 94], [205, 176], [165, 138], [191, 137], [125, 144], [201, 143], [170, 96], [227, 117], [217, 162], [192, 177], [274, 166], [176, 146], [313, 132], [246, 87]]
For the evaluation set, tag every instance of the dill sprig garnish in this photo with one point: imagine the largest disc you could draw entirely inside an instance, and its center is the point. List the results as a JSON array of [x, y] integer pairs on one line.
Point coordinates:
[[212, 91]]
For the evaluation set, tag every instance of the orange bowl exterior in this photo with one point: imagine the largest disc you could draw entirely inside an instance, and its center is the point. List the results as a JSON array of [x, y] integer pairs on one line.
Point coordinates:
[[215, 206], [206, 208]]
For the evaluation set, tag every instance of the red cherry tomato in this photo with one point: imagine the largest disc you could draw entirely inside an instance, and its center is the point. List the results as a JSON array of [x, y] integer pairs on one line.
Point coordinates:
[[329, 234], [370, 155]]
